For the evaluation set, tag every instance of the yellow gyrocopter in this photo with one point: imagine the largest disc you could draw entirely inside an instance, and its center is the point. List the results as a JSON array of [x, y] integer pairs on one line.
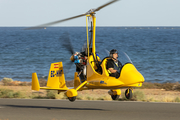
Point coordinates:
[[91, 72]]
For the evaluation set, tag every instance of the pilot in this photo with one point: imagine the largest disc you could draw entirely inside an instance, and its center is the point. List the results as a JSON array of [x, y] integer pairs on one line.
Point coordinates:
[[113, 64]]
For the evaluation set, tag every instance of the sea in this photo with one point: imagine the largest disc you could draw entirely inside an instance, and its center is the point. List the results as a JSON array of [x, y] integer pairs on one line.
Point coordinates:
[[155, 51]]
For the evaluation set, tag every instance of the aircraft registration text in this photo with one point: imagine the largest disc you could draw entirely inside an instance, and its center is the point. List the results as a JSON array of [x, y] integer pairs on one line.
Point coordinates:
[[56, 73]]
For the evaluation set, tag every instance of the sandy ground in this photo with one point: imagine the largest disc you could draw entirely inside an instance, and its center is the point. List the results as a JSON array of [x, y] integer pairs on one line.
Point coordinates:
[[151, 95]]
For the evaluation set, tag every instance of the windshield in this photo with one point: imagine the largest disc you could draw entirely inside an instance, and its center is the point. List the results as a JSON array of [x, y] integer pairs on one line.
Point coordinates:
[[123, 58]]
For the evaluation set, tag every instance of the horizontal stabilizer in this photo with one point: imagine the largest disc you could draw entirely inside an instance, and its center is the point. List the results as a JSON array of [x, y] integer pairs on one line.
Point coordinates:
[[49, 88]]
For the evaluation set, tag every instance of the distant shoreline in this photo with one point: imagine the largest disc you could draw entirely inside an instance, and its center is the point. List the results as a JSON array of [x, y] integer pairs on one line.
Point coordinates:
[[150, 27]]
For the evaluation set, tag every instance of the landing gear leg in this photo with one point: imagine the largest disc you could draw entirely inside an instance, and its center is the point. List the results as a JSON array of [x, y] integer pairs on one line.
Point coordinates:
[[129, 93]]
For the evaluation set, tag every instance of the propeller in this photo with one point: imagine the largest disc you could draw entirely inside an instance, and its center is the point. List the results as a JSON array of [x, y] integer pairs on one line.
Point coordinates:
[[91, 11], [66, 43], [84, 47]]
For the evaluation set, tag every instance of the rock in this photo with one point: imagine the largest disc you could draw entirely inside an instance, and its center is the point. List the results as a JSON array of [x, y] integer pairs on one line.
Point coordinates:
[[176, 87]]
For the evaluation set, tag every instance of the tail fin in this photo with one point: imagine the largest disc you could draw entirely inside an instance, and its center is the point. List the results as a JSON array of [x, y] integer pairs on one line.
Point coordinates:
[[56, 77], [35, 82]]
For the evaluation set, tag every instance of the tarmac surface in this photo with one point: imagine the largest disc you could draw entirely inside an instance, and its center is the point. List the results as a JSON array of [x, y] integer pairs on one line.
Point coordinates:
[[39, 109]]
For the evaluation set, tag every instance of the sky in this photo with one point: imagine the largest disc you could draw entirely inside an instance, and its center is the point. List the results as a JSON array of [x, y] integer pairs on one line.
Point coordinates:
[[26, 13]]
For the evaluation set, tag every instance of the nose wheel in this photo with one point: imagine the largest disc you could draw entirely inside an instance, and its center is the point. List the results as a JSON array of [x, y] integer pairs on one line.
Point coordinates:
[[115, 97], [72, 99], [129, 93]]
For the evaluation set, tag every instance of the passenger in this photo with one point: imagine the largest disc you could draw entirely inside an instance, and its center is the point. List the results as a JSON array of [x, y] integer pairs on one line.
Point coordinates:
[[113, 64]]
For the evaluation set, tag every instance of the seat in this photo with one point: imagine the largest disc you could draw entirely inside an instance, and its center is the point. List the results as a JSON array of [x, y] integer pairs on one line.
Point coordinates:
[[103, 65]]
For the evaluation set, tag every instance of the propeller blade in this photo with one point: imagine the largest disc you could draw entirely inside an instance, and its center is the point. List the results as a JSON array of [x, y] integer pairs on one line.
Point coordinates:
[[66, 43], [102, 6], [67, 67], [55, 22]]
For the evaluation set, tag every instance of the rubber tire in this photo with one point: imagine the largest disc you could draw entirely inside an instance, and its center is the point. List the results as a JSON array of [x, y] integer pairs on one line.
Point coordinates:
[[115, 97], [72, 99], [128, 96]]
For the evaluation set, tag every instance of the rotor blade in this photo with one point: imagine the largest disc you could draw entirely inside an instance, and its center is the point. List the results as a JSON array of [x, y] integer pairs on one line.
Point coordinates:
[[102, 6], [66, 42], [59, 21], [55, 22], [107, 52]]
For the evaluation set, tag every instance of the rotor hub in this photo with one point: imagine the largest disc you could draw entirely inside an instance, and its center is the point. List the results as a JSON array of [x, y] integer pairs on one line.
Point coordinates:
[[91, 11]]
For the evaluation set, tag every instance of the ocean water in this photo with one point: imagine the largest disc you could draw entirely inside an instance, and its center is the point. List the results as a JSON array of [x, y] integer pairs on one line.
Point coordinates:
[[155, 51]]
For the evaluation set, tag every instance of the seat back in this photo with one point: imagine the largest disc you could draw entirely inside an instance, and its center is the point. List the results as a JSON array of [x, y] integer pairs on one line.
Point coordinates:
[[103, 65]]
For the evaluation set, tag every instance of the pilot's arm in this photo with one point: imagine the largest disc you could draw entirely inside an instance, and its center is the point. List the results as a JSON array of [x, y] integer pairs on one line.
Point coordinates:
[[110, 66], [112, 70]]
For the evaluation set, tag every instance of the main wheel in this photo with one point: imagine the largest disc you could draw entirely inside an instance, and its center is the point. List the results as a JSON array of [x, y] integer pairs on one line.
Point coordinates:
[[72, 99], [128, 95], [115, 97]]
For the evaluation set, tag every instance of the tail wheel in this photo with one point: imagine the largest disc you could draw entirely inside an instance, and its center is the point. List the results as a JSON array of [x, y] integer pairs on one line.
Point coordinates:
[[128, 93], [72, 99], [115, 97]]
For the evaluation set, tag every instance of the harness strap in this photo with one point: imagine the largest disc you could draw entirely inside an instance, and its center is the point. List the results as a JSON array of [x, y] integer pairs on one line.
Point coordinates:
[[109, 71], [116, 64]]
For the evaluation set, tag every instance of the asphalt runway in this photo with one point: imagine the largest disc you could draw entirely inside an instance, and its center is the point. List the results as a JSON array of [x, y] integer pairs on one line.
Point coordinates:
[[38, 109]]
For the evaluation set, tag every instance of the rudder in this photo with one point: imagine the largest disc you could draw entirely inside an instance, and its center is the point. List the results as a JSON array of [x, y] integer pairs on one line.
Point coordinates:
[[56, 77]]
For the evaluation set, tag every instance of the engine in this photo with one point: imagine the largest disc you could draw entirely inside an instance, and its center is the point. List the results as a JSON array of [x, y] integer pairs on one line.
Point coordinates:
[[80, 61]]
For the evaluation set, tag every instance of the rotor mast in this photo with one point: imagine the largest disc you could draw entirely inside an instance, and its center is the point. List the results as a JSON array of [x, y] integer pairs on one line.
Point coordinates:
[[93, 36]]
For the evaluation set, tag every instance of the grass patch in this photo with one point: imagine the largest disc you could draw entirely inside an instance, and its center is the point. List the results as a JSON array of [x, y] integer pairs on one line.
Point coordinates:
[[102, 98], [89, 98], [51, 94], [79, 97], [150, 100], [177, 99], [6, 93], [6, 81], [138, 96]]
